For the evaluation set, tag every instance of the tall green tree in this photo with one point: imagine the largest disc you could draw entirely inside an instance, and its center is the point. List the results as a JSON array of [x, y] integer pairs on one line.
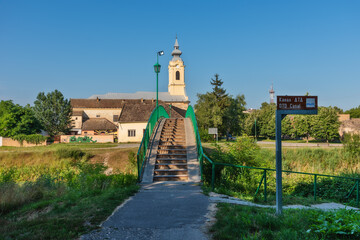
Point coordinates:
[[218, 109], [303, 126], [267, 120], [16, 120], [53, 111], [354, 112], [326, 124], [234, 117], [249, 123]]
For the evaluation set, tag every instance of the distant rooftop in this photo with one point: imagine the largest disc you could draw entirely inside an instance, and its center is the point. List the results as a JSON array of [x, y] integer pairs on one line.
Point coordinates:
[[164, 96]]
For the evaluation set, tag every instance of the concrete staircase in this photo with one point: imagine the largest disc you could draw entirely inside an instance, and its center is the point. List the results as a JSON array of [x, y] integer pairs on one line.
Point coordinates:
[[171, 157]]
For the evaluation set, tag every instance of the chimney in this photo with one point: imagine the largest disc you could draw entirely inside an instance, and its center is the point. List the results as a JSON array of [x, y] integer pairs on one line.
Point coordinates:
[[97, 99], [152, 100], [142, 100]]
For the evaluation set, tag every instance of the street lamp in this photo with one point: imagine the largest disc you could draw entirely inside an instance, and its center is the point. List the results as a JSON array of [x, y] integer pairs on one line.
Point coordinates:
[[157, 67]]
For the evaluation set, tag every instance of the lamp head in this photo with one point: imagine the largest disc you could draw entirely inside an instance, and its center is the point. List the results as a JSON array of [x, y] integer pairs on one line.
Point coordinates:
[[161, 53]]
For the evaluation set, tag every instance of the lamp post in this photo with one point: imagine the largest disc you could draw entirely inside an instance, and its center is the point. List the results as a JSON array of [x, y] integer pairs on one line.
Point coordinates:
[[255, 131], [157, 67]]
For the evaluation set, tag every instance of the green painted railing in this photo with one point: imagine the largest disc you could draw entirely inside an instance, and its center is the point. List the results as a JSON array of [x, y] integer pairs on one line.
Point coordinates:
[[201, 155], [158, 113]]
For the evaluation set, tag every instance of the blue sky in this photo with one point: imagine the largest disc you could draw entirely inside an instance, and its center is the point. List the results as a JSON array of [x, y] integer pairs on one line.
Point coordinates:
[[93, 47]]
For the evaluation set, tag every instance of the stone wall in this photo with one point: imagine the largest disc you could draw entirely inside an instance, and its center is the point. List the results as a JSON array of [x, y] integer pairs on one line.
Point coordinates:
[[8, 142], [97, 138]]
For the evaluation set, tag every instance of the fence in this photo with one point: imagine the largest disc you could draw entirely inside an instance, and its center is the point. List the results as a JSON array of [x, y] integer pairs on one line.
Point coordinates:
[[158, 113], [201, 155]]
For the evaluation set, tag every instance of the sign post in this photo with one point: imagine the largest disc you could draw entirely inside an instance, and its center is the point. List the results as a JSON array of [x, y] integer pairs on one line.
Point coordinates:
[[214, 131], [289, 105]]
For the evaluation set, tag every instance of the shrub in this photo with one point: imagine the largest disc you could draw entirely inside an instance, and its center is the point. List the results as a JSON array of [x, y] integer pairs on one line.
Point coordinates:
[[74, 154], [352, 144], [32, 138]]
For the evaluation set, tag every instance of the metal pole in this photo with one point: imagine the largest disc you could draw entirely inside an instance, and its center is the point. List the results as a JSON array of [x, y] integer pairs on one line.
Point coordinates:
[[357, 193], [255, 131], [279, 117], [315, 176], [265, 186], [157, 87], [213, 177]]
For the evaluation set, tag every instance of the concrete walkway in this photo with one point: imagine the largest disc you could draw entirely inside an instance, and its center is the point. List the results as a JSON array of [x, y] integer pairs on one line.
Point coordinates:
[[221, 198], [171, 210]]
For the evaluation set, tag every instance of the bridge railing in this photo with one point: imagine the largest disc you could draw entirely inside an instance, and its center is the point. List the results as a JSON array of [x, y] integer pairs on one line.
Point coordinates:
[[201, 156], [157, 114]]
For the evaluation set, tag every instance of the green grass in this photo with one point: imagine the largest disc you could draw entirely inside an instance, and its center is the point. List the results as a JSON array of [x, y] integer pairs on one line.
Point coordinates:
[[61, 193], [65, 217], [54, 147], [241, 222]]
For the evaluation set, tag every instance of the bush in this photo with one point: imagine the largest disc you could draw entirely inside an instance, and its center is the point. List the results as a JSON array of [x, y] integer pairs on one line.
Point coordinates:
[[352, 144], [205, 137], [75, 154], [33, 138]]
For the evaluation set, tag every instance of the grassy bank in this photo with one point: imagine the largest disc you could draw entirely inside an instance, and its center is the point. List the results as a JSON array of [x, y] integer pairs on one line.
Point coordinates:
[[62, 193], [297, 188], [241, 222]]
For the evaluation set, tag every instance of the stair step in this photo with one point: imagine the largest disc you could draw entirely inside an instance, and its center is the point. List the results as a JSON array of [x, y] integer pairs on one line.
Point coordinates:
[[171, 177], [173, 171], [171, 154], [173, 150], [170, 173], [170, 161], [168, 166]]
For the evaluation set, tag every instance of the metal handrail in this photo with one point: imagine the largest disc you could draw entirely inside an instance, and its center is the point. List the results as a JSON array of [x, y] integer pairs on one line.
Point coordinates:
[[157, 114], [201, 155]]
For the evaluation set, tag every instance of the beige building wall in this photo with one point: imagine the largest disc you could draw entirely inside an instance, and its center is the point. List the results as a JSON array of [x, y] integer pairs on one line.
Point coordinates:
[[76, 122], [123, 132], [107, 113], [343, 117]]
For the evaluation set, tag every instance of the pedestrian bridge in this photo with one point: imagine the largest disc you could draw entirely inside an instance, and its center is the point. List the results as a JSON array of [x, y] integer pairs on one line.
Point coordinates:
[[170, 149]]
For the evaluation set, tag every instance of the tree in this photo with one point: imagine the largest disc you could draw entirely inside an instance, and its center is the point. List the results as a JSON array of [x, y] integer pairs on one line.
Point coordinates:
[[219, 92], [53, 112], [303, 126], [354, 112], [234, 117], [249, 123], [218, 109], [267, 120], [16, 120], [326, 124]]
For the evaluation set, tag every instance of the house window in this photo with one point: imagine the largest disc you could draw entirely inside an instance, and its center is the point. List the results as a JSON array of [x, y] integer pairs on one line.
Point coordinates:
[[85, 133], [115, 118], [98, 115], [177, 75], [131, 133], [76, 118]]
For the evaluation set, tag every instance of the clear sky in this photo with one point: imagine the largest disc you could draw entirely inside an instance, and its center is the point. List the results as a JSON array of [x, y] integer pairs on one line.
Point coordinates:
[[93, 47]]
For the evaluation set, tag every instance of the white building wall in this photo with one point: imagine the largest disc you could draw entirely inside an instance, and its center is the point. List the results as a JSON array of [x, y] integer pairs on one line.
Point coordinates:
[[124, 129], [0, 141]]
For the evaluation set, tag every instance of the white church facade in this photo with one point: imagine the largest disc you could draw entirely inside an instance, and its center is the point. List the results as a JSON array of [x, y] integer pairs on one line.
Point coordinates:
[[125, 115]]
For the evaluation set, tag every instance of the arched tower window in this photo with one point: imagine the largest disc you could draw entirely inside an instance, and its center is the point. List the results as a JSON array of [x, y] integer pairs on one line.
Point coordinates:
[[177, 75]]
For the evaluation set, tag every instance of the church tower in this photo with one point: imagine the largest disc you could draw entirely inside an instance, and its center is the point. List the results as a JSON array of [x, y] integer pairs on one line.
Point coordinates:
[[177, 73]]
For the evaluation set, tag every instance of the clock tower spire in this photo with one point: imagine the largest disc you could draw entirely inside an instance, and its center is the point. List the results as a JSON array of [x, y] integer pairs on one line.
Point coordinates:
[[177, 73]]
